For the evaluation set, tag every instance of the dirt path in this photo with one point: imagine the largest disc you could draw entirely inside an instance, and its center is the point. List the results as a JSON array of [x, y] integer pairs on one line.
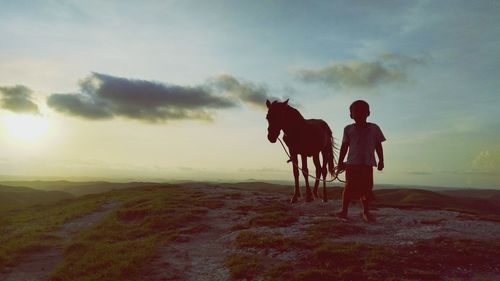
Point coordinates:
[[201, 257], [38, 265]]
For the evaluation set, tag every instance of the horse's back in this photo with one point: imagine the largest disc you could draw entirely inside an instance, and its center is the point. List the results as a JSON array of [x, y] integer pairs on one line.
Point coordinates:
[[319, 125], [314, 137]]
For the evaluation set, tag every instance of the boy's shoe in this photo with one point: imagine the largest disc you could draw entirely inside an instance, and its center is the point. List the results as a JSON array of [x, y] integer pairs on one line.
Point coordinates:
[[367, 217]]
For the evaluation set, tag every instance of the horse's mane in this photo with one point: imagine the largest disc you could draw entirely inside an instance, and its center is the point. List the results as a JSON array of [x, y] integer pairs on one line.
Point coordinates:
[[294, 113]]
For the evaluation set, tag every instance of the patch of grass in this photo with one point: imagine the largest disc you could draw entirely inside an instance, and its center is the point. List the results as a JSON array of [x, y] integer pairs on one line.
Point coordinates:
[[121, 244], [199, 228], [332, 228], [231, 195], [423, 261], [30, 230], [459, 253], [243, 266], [210, 203], [314, 275], [239, 226], [119, 260], [274, 219], [336, 261], [271, 207], [270, 214], [432, 221], [247, 239], [281, 271], [260, 240], [243, 209], [348, 261]]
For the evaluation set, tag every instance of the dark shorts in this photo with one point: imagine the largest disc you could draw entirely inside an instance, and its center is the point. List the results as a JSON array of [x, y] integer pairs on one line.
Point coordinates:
[[359, 182]]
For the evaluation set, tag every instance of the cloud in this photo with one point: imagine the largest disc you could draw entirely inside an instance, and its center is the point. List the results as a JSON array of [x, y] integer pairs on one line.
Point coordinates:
[[487, 160], [387, 68], [17, 99], [104, 96], [247, 92]]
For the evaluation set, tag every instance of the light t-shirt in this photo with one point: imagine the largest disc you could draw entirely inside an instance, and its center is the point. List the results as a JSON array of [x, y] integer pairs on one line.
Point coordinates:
[[362, 141]]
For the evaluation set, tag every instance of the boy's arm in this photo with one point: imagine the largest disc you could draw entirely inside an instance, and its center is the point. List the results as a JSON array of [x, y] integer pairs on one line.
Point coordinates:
[[380, 155], [342, 154]]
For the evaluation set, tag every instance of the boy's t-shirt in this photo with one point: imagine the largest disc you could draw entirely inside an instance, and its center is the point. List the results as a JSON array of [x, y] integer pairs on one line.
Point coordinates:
[[362, 141]]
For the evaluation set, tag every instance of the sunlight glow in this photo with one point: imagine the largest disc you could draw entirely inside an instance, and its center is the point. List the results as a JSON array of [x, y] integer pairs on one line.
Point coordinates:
[[27, 128]]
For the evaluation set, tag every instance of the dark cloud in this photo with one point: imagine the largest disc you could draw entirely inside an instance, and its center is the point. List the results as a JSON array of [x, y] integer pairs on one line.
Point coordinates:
[[104, 97], [247, 92], [388, 68], [17, 99]]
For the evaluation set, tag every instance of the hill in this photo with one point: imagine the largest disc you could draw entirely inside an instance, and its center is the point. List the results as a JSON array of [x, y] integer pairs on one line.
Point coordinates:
[[489, 194], [77, 188], [15, 197], [483, 202]]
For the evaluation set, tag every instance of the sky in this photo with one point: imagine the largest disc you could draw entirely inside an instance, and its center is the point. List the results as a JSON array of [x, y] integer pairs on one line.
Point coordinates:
[[176, 90]]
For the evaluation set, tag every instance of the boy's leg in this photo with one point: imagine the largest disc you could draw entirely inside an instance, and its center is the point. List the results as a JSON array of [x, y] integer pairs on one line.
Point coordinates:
[[368, 197], [345, 204], [367, 217], [346, 196], [366, 205]]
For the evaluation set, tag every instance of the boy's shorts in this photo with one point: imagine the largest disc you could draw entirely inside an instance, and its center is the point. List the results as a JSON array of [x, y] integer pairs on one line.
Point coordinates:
[[359, 182]]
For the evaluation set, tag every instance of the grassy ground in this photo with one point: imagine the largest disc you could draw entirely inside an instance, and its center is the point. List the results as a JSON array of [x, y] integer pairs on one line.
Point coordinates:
[[327, 260], [25, 231], [118, 246]]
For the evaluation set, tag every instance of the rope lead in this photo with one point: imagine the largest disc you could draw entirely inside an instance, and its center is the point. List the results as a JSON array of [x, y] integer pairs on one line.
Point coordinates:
[[335, 177]]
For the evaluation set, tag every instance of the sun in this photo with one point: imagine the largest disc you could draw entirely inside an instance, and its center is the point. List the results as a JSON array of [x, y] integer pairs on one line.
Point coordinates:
[[25, 127]]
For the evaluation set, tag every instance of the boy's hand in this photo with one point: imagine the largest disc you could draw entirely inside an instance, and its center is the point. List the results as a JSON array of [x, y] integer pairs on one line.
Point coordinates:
[[380, 166], [341, 167]]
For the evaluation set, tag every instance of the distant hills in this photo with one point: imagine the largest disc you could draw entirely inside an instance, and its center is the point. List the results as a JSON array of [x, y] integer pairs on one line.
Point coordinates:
[[20, 197], [77, 188], [485, 202]]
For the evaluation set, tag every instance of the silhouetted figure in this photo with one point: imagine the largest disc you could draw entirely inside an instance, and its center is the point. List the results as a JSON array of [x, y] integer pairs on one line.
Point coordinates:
[[361, 139], [307, 137]]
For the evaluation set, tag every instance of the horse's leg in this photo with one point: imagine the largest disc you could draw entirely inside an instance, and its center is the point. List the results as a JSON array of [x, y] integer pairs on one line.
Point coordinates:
[[305, 173], [324, 173], [296, 192], [317, 164]]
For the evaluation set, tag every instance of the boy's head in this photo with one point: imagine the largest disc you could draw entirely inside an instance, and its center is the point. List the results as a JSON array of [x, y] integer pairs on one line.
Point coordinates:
[[360, 110]]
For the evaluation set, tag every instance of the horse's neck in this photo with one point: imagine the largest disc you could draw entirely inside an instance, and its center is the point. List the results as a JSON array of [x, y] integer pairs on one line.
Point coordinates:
[[294, 122]]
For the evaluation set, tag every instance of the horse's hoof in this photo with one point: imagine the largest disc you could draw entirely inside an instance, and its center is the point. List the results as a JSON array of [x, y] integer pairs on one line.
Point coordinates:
[[294, 200], [316, 195], [309, 198]]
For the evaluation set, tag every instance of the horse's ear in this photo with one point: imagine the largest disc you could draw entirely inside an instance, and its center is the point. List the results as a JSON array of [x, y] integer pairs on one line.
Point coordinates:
[[286, 102], [268, 103]]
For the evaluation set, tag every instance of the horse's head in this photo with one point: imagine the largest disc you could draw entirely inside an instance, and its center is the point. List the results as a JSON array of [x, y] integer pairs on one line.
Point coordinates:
[[275, 118]]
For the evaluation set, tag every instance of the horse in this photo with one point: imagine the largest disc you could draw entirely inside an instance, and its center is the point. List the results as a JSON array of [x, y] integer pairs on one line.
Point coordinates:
[[307, 137]]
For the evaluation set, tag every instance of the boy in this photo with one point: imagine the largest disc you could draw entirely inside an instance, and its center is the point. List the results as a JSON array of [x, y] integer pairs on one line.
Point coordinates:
[[361, 139]]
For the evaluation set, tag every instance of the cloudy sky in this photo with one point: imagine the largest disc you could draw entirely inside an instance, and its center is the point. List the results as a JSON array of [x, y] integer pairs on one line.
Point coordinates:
[[160, 90]]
